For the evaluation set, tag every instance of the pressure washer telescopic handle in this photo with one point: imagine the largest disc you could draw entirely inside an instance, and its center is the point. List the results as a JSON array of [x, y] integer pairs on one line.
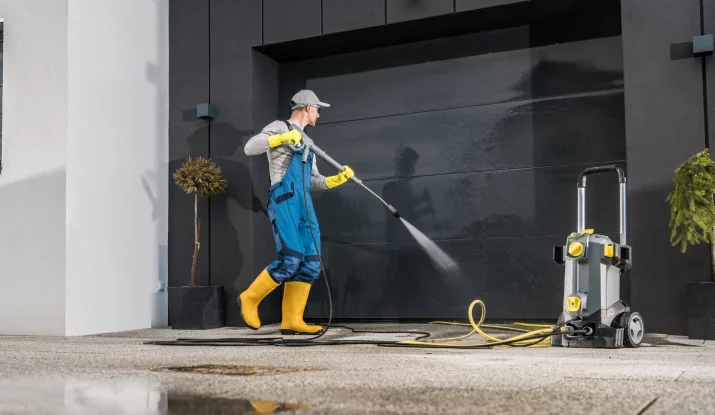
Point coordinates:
[[622, 197], [322, 154], [332, 162]]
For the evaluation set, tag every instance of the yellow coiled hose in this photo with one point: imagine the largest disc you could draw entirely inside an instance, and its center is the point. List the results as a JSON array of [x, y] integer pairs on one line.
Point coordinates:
[[526, 339]]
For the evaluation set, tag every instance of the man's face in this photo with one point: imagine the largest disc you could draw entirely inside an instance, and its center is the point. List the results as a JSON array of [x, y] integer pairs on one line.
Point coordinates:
[[313, 114]]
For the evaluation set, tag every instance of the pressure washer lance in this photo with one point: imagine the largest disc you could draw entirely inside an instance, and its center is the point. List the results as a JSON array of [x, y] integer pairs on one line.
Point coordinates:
[[309, 146]]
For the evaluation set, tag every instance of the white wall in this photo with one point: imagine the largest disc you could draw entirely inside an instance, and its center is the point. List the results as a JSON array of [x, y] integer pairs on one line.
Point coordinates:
[[117, 163], [32, 183], [84, 186]]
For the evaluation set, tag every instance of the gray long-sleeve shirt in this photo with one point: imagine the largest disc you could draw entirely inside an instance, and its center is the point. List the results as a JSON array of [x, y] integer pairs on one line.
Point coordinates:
[[279, 158]]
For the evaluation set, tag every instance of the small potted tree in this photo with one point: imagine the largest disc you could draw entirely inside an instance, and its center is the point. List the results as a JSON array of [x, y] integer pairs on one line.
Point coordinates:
[[692, 221], [197, 307]]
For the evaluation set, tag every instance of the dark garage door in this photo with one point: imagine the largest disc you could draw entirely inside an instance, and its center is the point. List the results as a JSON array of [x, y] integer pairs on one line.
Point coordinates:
[[478, 146]]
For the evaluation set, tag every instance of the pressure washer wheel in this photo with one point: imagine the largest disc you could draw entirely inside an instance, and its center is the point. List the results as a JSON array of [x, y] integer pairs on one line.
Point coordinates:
[[633, 329]]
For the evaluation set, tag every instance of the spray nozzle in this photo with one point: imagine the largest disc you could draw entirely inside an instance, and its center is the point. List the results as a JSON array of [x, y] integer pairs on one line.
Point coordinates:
[[394, 211]]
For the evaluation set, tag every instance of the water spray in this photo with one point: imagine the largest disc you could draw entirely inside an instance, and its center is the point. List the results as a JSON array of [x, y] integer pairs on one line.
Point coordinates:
[[438, 256]]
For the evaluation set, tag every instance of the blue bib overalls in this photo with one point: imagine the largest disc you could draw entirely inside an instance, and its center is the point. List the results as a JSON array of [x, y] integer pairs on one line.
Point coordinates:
[[297, 252]]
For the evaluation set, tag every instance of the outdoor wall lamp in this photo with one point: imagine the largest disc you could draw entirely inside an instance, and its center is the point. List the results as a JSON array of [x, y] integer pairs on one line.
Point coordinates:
[[206, 111], [702, 45]]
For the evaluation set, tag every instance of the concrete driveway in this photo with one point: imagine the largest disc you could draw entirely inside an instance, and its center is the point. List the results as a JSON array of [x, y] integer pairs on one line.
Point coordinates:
[[120, 374]]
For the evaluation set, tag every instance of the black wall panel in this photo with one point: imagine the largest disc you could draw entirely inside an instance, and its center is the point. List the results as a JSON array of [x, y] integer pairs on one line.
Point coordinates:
[[546, 24], [404, 10], [544, 132], [188, 135], [235, 28], [285, 20], [664, 127], [520, 74], [464, 5], [345, 15]]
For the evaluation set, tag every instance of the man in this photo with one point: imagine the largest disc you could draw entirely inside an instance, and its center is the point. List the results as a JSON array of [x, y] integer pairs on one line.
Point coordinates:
[[297, 263]]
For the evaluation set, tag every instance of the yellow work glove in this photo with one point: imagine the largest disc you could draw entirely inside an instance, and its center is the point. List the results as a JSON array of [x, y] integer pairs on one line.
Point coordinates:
[[292, 136], [339, 178]]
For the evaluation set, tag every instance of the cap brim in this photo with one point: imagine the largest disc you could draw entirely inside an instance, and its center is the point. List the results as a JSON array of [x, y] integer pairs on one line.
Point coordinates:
[[323, 104]]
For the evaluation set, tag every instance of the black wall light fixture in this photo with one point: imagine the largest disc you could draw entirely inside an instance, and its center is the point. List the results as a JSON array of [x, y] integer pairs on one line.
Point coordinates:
[[700, 46], [703, 45], [206, 111]]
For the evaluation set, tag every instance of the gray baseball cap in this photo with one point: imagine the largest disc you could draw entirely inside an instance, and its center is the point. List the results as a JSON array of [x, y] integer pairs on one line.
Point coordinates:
[[306, 97]]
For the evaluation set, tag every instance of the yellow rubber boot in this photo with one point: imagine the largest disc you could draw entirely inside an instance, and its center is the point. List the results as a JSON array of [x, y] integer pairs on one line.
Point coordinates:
[[295, 297], [249, 299]]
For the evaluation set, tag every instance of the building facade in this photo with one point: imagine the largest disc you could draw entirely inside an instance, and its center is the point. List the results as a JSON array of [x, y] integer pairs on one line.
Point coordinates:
[[472, 117]]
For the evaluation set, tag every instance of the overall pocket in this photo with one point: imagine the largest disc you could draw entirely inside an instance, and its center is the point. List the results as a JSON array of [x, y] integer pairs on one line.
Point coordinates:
[[283, 193]]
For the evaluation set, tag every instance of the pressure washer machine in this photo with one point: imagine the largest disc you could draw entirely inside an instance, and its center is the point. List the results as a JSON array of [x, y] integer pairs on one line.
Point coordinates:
[[594, 264]]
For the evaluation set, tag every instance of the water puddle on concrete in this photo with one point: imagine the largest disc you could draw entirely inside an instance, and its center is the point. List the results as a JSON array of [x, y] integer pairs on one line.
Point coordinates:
[[121, 397], [662, 341], [232, 370]]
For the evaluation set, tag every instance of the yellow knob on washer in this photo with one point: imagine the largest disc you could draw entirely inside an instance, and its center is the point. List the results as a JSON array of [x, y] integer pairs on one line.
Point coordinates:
[[576, 249]]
